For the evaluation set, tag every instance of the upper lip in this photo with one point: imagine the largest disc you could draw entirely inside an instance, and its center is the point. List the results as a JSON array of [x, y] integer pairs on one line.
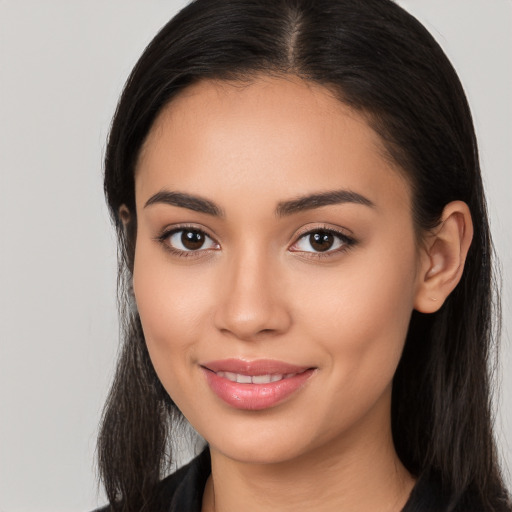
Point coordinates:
[[254, 368]]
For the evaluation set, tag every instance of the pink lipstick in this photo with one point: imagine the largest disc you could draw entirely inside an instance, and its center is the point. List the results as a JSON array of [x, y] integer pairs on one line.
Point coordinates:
[[254, 385]]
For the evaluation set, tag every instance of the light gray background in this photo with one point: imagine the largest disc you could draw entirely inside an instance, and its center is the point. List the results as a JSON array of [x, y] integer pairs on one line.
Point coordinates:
[[62, 66]]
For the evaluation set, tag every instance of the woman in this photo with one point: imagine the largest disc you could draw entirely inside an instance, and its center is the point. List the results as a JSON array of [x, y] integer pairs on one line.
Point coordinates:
[[306, 264]]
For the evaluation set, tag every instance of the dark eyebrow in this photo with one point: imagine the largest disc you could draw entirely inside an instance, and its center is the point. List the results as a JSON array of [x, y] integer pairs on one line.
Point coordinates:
[[283, 209], [312, 201], [198, 204]]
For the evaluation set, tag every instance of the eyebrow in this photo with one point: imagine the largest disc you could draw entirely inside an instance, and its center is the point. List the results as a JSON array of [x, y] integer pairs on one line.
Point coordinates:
[[283, 209], [309, 202], [195, 203]]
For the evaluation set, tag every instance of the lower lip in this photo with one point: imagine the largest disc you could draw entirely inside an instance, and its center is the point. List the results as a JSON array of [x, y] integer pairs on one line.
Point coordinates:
[[255, 397]]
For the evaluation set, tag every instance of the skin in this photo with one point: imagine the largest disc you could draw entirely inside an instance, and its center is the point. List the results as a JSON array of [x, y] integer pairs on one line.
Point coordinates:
[[257, 289]]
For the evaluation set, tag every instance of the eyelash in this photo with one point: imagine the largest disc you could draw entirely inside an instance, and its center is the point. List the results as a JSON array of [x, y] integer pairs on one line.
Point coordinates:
[[346, 241], [166, 234]]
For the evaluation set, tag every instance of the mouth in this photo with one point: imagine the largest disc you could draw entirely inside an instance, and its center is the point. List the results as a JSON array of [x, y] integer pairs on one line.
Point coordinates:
[[254, 379], [255, 385]]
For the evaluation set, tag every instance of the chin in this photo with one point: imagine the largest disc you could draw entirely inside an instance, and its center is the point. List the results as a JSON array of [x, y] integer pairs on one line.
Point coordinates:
[[254, 451], [259, 441]]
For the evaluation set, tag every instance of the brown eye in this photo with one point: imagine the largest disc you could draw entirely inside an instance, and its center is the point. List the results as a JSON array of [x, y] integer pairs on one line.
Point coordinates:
[[321, 241], [187, 240], [192, 240]]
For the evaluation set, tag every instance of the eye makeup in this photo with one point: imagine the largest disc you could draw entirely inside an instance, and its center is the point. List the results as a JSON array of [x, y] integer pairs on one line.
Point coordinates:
[[324, 241], [192, 240], [187, 241]]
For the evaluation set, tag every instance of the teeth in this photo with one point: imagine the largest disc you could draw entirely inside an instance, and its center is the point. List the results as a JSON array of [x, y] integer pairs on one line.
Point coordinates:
[[255, 379], [230, 376], [263, 379]]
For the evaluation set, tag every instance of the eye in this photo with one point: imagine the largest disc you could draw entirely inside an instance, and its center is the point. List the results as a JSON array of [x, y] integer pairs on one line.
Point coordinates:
[[187, 240], [322, 241]]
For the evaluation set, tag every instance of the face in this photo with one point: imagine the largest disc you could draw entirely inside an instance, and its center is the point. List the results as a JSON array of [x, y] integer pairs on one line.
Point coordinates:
[[275, 267]]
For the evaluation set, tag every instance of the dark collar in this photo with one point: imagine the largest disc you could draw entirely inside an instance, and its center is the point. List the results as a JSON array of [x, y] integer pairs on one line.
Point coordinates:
[[184, 489]]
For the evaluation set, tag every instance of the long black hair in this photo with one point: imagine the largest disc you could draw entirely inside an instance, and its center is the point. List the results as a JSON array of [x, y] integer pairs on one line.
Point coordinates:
[[381, 61]]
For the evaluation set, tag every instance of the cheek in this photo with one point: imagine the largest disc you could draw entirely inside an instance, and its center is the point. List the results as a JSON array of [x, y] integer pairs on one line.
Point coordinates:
[[351, 319], [172, 305], [360, 315]]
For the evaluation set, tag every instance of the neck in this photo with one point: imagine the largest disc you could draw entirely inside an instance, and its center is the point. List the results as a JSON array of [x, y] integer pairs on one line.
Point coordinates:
[[356, 472]]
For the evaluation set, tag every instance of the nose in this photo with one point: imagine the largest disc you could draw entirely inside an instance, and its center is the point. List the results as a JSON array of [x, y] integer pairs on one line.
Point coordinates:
[[252, 301]]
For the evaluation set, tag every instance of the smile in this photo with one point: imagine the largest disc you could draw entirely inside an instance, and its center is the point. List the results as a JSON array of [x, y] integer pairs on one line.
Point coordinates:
[[255, 385], [254, 379]]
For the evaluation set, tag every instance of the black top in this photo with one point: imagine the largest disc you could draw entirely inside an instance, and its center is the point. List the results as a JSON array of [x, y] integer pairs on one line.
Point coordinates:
[[183, 490]]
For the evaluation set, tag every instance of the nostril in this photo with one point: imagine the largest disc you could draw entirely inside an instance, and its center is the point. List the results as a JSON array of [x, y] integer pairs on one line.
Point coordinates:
[[248, 312]]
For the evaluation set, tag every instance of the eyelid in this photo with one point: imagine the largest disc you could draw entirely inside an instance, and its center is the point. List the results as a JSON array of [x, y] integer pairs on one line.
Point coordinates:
[[311, 228], [173, 228], [348, 241], [168, 231]]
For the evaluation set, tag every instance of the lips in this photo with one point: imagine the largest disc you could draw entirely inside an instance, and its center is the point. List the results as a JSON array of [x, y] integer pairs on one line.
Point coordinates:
[[255, 385], [254, 379]]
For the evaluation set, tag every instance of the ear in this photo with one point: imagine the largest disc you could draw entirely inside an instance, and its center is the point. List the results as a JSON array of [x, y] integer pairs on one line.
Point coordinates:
[[124, 215], [443, 256]]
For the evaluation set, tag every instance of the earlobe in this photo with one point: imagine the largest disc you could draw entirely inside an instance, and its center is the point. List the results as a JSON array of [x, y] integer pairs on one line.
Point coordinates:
[[124, 215], [443, 257]]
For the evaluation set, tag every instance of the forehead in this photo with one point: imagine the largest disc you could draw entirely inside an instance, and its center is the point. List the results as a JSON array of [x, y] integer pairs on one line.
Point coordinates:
[[264, 138]]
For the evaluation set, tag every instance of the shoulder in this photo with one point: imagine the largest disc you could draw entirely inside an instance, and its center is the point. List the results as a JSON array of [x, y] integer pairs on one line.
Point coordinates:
[[428, 496], [183, 489]]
